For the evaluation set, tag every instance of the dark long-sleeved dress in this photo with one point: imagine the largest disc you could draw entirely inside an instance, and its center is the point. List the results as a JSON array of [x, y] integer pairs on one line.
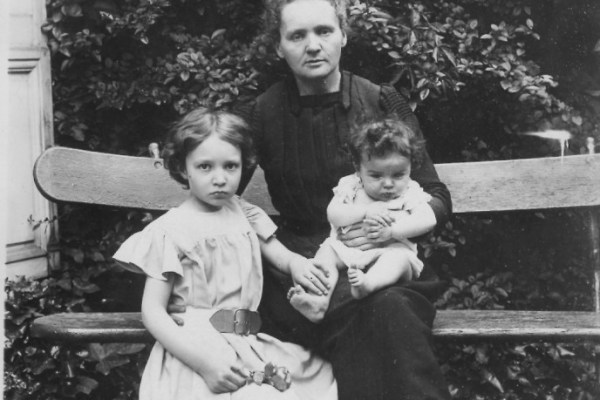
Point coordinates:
[[380, 346]]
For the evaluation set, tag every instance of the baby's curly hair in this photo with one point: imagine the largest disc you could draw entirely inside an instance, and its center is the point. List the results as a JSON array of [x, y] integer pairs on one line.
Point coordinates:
[[194, 128], [377, 138], [272, 16]]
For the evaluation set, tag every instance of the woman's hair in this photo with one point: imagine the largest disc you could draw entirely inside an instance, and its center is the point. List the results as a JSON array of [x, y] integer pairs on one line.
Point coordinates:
[[272, 16], [194, 128], [377, 138]]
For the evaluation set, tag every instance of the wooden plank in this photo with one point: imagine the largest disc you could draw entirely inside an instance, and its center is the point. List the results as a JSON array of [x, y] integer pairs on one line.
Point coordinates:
[[499, 325], [517, 325], [536, 183], [70, 175], [91, 327], [64, 174], [80, 176], [256, 192]]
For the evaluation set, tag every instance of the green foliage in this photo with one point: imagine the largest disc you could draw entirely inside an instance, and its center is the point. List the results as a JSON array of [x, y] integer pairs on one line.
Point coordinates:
[[497, 265], [37, 369], [437, 48], [499, 371], [476, 72], [130, 67]]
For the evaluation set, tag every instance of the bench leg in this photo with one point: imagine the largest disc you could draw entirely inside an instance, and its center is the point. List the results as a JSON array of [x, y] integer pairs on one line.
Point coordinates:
[[594, 234], [595, 254]]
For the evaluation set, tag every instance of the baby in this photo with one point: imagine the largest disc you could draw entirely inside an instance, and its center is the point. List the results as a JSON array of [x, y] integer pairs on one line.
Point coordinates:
[[390, 206]]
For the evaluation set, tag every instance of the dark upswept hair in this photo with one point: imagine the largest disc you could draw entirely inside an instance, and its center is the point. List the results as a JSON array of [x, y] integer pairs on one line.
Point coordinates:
[[377, 138], [272, 16], [197, 126]]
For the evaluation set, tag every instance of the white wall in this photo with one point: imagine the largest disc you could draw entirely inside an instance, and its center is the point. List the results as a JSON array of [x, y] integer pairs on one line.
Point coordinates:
[[3, 127], [28, 132]]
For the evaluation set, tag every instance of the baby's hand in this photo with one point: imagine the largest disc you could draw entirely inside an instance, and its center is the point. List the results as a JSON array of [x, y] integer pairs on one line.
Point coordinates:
[[356, 237], [379, 213], [377, 232], [312, 277], [224, 376]]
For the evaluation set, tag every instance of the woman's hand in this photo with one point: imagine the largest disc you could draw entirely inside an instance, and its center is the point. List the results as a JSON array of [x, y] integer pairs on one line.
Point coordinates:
[[224, 376], [312, 276], [356, 237]]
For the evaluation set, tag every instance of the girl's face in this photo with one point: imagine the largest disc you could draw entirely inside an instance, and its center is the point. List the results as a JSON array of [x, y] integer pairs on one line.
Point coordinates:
[[213, 171], [384, 178], [311, 43]]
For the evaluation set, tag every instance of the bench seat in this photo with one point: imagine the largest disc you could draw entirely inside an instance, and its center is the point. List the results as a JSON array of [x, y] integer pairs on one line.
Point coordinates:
[[502, 325]]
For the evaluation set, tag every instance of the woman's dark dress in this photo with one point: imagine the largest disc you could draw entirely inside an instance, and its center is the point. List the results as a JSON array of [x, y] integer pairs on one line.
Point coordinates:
[[380, 346]]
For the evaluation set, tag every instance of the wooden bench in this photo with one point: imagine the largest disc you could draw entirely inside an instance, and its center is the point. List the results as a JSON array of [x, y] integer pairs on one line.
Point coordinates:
[[68, 175]]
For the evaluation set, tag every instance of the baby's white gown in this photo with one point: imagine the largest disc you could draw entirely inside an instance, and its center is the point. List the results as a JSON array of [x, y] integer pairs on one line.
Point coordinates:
[[412, 197], [217, 265]]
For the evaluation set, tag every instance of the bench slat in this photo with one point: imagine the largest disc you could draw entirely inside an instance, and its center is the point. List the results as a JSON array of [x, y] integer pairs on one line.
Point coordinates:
[[92, 327], [79, 176], [553, 326], [526, 184], [517, 325], [71, 175]]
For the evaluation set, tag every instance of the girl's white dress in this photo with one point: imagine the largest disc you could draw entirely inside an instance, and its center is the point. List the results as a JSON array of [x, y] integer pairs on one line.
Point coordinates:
[[216, 260], [346, 191]]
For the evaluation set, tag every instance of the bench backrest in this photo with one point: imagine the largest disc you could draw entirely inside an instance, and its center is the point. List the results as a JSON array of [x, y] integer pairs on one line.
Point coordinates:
[[70, 175]]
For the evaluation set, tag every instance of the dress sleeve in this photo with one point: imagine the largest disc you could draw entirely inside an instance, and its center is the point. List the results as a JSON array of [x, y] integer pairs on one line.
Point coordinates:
[[415, 196], [345, 191], [424, 173], [149, 252], [259, 220]]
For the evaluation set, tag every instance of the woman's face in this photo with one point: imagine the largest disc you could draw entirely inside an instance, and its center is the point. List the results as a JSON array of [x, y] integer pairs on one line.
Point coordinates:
[[311, 43]]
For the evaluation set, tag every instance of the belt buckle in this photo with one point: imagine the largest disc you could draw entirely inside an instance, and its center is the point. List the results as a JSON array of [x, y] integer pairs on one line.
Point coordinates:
[[241, 322]]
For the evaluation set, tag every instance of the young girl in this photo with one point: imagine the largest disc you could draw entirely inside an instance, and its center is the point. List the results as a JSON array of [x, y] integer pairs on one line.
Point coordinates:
[[206, 254], [391, 206]]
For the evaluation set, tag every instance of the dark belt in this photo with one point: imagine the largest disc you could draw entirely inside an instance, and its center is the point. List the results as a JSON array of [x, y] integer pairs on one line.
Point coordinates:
[[239, 321]]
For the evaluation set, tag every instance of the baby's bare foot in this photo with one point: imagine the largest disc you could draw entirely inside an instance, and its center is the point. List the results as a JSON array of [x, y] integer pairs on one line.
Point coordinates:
[[310, 305], [359, 283]]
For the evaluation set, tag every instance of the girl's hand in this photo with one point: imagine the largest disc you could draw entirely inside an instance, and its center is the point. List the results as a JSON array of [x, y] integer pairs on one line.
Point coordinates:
[[225, 377], [313, 277]]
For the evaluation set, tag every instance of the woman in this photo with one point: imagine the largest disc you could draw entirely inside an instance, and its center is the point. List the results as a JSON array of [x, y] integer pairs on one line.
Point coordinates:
[[380, 346]]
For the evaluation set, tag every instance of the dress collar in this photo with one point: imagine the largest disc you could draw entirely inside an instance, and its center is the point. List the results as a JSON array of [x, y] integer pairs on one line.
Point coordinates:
[[297, 102]]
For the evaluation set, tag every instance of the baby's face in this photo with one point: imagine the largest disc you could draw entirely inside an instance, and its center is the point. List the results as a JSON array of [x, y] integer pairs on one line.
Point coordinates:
[[384, 178]]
